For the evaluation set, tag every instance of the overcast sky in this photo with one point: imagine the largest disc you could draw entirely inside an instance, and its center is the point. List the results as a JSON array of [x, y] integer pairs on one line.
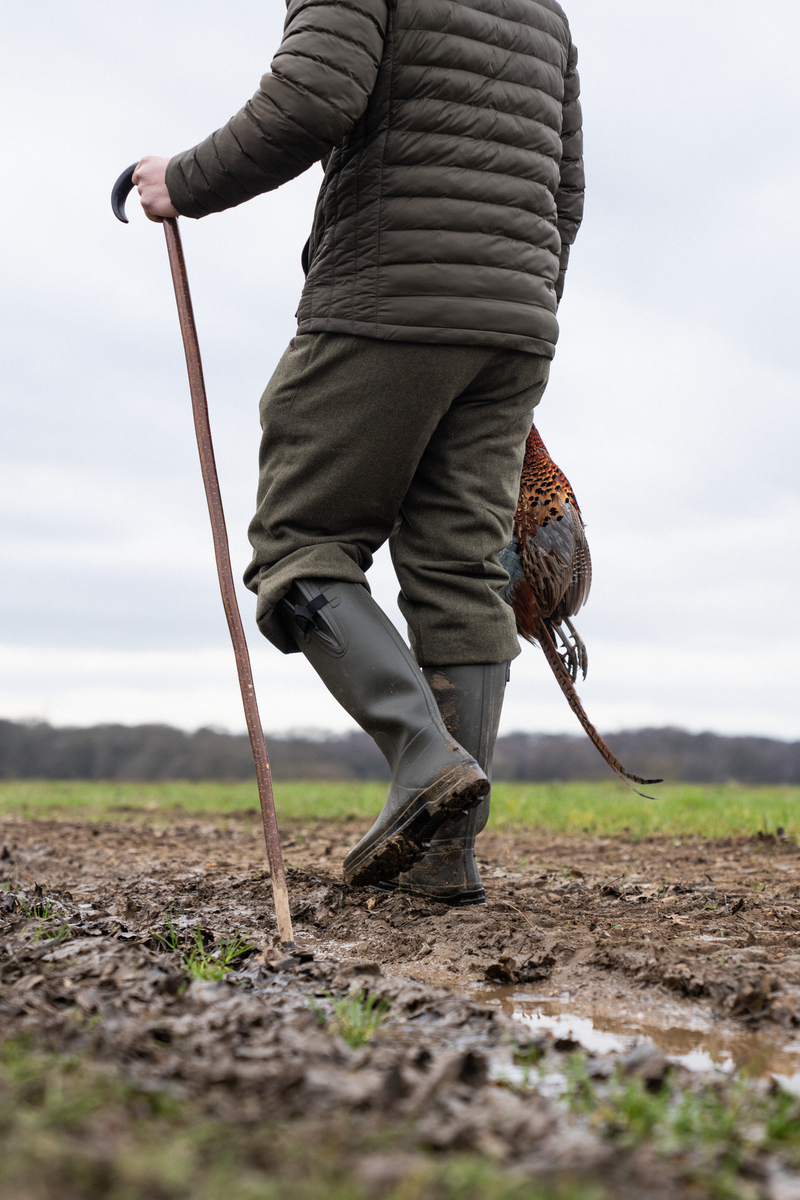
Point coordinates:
[[672, 407]]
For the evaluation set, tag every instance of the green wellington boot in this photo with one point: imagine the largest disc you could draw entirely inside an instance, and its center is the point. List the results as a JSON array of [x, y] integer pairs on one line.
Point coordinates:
[[366, 665], [470, 699]]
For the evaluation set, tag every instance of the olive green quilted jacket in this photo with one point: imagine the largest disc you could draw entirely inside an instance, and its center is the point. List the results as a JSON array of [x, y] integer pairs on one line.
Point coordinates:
[[455, 184]]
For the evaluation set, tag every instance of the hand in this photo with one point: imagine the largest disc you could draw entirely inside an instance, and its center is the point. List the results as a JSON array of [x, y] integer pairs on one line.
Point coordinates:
[[149, 178]]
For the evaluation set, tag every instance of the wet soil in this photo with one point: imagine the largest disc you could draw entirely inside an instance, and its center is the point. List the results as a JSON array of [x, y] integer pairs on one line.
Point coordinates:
[[691, 943]]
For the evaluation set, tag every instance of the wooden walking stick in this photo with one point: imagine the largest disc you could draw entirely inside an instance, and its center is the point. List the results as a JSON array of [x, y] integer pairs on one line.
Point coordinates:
[[208, 467]]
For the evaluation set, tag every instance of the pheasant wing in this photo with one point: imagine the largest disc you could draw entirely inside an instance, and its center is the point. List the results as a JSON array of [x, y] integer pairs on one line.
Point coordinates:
[[546, 555], [577, 593], [548, 527]]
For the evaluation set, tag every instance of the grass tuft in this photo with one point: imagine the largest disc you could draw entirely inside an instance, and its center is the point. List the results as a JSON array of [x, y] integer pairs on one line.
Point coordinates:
[[200, 964], [42, 910], [172, 939], [55, 933], [354, 1018]]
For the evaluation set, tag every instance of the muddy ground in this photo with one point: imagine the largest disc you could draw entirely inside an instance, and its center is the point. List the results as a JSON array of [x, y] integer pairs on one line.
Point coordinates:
[[673, 934]]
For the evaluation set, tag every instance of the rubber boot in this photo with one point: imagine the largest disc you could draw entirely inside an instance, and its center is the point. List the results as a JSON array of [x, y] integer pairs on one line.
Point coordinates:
[[366, 665], [470, 699]]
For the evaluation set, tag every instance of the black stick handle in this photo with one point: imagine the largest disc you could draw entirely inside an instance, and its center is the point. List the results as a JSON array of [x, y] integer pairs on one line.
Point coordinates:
[[120, 192]]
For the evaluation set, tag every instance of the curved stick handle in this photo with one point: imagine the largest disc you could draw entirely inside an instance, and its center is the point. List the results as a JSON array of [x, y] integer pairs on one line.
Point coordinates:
[[120, 192]]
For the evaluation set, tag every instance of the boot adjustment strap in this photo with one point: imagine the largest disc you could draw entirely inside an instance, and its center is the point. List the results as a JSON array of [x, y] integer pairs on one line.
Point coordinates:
[[304, 613]]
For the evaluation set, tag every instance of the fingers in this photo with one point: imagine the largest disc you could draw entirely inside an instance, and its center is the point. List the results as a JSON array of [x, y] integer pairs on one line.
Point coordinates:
[[150, 180], [150, 169]]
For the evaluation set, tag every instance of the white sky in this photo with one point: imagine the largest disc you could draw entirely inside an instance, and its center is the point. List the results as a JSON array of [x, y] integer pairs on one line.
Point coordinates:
[[673, 402]]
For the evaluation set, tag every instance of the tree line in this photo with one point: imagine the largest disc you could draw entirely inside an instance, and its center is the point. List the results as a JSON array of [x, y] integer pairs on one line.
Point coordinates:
[[37, 750]]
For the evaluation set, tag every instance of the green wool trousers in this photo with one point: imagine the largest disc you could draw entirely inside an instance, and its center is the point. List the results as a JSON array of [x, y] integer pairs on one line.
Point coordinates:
[[365, 440]]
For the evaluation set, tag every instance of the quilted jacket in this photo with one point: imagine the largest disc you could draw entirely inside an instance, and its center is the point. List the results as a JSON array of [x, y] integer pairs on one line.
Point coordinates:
[[454, 183]]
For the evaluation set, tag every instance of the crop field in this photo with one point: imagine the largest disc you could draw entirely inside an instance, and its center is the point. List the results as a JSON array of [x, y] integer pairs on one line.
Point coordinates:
[[713, 810], [621, 1018]]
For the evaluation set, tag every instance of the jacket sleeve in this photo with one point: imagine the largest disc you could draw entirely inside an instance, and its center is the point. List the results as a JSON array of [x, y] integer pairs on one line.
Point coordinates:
[[317, 88], [569, 197]]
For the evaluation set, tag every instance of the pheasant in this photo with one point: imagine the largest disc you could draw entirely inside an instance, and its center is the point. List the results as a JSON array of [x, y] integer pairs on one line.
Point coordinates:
[[550, 574]]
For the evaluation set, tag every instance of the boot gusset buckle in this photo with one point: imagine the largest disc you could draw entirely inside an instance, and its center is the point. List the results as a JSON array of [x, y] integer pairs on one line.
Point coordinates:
[[304, 613]]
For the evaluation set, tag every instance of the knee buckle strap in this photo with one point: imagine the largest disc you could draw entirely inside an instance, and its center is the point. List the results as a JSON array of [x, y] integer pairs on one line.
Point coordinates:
[[304, 613]]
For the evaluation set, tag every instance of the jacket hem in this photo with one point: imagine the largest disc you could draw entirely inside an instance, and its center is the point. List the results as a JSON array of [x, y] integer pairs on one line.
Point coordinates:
[[428, 334]]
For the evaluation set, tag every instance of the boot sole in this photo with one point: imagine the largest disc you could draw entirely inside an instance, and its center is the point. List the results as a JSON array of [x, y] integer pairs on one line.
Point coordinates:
[[453, 900], [404, 842]]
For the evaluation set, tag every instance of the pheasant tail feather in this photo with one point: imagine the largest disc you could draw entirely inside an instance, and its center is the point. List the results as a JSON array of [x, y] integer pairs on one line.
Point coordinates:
[[545, 640]]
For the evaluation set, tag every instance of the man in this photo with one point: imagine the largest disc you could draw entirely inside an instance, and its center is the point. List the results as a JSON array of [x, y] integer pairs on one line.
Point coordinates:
[[453, 188]]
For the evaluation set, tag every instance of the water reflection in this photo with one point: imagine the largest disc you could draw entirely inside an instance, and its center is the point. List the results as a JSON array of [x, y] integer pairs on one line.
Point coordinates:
[[600, 1030]]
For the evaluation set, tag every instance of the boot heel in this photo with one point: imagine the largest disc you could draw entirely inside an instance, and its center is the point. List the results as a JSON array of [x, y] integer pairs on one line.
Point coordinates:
[[458, 790]]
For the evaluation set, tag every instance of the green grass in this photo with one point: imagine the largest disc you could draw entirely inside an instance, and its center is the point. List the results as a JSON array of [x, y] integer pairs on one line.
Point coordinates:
[[708, 810], [294, 800], [680, 809], [355, 1018], [198, 961], [717, 1131]]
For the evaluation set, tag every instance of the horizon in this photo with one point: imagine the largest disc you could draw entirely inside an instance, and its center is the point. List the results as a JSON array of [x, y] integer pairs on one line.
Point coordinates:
[[314, 734]]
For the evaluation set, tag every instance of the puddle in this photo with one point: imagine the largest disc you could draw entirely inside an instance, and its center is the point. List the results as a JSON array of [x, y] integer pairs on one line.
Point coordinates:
[[698, 1043]]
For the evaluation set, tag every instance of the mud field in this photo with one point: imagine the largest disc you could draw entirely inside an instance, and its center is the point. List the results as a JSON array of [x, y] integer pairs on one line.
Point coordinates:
[[662, 960]]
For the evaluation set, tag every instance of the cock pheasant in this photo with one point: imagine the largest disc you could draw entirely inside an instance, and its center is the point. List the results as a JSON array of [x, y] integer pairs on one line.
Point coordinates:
[[550, 574]]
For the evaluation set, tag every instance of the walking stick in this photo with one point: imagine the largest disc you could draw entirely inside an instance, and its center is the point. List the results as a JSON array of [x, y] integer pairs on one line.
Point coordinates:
[[208, 467]]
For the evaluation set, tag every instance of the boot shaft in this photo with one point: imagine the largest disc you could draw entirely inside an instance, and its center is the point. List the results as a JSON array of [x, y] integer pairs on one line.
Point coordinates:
[[363, 661], [366, 665], [470, 700]]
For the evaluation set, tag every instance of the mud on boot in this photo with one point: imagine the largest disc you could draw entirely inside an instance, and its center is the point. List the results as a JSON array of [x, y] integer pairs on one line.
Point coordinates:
[[365, 664]]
